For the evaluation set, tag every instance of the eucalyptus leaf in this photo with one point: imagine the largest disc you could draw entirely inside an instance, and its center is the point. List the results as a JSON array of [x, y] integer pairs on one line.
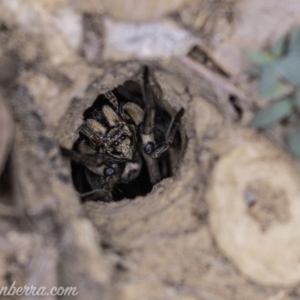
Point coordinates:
[[272, 114], [294, 142], [289, 68], [297, 100], [260, 58], [294, 40], [278, 91], [268, 80], [278, 47]]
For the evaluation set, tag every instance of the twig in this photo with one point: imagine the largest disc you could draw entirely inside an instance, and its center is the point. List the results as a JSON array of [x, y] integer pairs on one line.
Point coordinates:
[[218, 80]]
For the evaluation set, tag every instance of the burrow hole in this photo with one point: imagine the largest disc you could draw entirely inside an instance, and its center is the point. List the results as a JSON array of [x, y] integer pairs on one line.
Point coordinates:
[[168, 162]]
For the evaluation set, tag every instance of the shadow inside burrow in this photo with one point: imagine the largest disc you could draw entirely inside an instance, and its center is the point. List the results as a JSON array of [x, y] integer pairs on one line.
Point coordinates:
[[167, 162]]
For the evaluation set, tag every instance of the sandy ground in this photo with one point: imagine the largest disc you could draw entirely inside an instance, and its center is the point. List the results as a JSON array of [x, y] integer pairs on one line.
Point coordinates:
[[225, 226]]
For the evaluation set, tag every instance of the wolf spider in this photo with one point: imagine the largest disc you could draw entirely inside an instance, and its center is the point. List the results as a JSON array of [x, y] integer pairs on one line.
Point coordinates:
[[124, 129]]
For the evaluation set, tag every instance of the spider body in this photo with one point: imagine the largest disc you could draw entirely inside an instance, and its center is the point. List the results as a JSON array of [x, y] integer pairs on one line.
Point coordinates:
[[123, 130]]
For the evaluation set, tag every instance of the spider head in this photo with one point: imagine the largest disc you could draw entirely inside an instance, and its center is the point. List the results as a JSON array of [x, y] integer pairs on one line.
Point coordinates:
[[120, 143]]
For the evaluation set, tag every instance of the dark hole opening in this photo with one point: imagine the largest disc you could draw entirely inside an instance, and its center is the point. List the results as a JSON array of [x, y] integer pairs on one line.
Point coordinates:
[[130, 91], [234, 101], [6, 182]]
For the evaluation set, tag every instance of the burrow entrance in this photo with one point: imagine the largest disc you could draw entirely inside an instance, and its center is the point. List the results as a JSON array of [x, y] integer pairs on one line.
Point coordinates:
[[167, 163]]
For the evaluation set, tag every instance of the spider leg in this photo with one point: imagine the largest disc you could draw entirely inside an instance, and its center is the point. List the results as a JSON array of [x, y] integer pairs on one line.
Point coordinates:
[[91, 186], [96, 194], [95, 160], [153, 168], [147, 126], [157, 150], [101, 186]]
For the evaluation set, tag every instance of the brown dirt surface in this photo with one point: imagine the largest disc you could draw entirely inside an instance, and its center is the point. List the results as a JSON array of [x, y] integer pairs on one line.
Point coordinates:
[[224, 226]]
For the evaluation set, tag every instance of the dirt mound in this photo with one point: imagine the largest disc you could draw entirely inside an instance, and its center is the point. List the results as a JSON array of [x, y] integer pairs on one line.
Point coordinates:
[[225, 226]]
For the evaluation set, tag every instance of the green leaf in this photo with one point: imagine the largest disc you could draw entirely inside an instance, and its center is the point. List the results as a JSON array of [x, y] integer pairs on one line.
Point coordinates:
[[289, 68], [260, 58], [297, 100], [294, 40], [272, 114], [278, 91], [268, 80], [270, 86], [278, 48], [294, 142]]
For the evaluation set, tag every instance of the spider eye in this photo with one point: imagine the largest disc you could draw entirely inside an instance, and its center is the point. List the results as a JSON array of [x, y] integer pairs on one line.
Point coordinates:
[[123, 137], [116, 143]]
